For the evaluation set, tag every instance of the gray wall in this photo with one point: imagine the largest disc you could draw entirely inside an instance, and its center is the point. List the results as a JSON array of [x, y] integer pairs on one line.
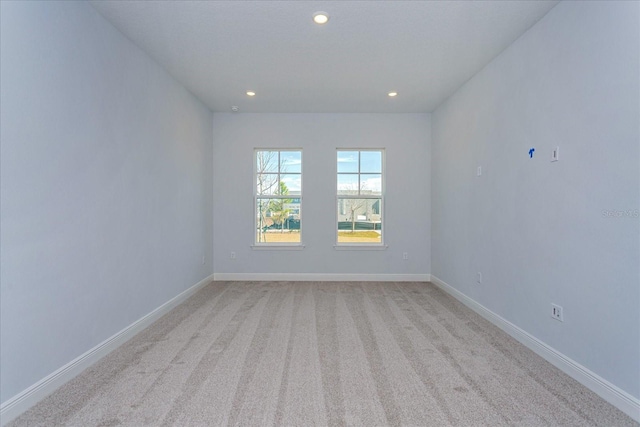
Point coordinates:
[[406, 138], [106, 187], [539, 231]]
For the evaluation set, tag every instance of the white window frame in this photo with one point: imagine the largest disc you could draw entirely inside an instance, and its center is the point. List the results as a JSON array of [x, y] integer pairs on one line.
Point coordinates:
[[361, 245], [275, 245]]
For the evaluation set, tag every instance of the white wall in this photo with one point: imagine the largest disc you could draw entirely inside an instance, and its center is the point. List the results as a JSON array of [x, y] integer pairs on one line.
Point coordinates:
[[106, 187], [536, 229], [406, 138]]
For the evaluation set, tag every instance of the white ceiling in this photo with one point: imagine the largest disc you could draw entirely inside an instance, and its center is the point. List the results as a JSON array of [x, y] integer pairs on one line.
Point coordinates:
[[425, 50]]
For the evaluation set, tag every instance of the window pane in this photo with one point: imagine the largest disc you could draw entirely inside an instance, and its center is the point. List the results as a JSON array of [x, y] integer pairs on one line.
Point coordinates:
[[266, 161], [359, 220], [347, 183], [371, 161], [267, 183], [291, 161], [347, 161], [290, 184], [371, 184], [278, 220]]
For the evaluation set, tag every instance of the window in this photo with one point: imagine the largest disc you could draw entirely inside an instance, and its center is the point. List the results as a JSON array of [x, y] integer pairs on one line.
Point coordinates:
[[278, 197], [360, 197]]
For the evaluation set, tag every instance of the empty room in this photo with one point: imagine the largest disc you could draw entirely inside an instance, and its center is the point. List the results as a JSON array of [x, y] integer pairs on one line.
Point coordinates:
[[292, 213]]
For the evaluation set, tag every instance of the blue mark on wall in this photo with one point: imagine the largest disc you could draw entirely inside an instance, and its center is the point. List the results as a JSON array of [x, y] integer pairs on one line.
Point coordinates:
[[531, 152]]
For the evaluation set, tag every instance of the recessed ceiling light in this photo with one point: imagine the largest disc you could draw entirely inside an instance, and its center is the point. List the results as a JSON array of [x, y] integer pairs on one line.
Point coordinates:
[[392, 94], [251, 93], [321, 17]]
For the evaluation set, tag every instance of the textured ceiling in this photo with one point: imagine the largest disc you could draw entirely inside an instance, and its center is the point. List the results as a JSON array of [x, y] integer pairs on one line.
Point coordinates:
[[425, 50]]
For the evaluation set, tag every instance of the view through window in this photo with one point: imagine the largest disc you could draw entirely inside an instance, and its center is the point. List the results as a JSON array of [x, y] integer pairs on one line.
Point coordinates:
[[360, 196], [278, 196]]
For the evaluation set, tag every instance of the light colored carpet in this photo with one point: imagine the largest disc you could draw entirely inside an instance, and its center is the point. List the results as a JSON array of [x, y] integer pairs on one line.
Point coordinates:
[[323, 353]]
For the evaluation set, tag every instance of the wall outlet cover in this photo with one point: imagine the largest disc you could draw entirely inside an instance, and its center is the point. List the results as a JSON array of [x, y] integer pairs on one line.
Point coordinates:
[[556, 312]]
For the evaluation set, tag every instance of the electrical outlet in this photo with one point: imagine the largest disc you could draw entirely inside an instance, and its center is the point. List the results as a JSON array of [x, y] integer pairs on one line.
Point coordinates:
[[202, 259], [479, 171], [555, 154], [479, 277], [233, 255], [405, 255], [556, 312]]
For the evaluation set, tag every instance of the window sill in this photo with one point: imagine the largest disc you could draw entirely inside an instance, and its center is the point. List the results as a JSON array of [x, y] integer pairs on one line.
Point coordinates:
[[276, 247], [356, 247]]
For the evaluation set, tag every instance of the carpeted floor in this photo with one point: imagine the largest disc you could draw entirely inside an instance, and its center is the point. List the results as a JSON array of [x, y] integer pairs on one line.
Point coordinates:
[[323, 353]]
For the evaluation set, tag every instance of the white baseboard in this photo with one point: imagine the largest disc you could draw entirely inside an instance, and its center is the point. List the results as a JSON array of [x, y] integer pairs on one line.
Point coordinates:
[[320, 277], [18, 404], [619, 398]]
